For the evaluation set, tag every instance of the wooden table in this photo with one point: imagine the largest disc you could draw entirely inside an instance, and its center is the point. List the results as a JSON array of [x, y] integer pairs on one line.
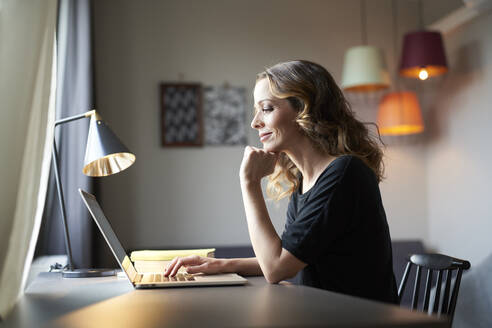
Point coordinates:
[[112, 302]]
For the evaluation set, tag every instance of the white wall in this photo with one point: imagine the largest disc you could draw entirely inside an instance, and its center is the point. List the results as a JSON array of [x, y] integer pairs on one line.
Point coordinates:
[[460, 151], [180, 197]]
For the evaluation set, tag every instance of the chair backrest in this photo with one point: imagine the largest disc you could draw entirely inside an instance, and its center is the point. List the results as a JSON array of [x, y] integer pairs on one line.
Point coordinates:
[[441, 264]]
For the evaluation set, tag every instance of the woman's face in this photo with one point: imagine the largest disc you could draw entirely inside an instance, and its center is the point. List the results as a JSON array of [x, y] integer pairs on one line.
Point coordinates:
[[274, 119]]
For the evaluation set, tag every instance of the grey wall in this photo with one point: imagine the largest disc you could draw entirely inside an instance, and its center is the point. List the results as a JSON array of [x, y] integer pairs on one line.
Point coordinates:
[[180, 197], [459, 150]]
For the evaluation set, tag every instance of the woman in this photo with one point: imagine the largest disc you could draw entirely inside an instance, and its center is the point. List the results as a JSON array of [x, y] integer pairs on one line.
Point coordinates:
[[315, 151]]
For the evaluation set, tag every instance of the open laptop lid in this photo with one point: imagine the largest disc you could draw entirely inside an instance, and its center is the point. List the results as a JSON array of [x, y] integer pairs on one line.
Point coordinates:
[[108, 233]]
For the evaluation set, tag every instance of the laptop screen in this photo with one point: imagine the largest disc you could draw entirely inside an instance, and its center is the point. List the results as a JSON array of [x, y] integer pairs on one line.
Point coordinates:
[[108, 233]]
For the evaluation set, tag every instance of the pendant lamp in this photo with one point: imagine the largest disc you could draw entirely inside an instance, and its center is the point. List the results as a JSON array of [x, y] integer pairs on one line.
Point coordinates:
[[364, 69], [423, 53], [399, 114], [399, 111]]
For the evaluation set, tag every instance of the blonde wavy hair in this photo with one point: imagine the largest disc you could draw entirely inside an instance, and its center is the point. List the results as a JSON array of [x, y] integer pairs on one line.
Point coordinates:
[[324, 116]]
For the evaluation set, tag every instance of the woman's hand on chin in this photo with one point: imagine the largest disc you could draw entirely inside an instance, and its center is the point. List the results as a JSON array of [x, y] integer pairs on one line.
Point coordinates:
[[257, 163]]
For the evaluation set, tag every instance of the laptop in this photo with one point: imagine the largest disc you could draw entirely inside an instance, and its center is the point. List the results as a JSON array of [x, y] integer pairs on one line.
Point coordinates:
[[151, 280]]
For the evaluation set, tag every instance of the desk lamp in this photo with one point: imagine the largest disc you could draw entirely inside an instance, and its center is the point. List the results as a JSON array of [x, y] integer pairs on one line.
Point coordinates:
[[104, 155]]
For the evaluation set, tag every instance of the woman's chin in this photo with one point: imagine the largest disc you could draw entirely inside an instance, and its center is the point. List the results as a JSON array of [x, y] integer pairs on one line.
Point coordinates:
[[270, 148]]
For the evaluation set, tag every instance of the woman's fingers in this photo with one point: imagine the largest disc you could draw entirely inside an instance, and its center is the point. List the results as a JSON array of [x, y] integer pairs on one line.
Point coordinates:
[[197, 268], [257, 163], [178, 262], [170, 266], [207, 265], [176, 267], [193, 264]]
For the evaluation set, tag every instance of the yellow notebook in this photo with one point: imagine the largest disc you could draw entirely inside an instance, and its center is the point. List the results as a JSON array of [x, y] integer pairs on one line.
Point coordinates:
[[170, 254], [157, 261]]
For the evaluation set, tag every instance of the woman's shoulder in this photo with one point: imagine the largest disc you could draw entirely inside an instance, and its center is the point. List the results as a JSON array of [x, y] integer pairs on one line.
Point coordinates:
[[337, 166], [356, 171], [333, 173], [342, 161], [352, 161], [345, 165]]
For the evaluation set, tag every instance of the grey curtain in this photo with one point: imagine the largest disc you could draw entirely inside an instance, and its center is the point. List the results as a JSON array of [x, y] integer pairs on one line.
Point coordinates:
[[74, 96]]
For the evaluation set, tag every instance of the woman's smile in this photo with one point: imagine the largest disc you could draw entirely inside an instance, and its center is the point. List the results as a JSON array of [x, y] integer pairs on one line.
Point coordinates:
[[265, 136]]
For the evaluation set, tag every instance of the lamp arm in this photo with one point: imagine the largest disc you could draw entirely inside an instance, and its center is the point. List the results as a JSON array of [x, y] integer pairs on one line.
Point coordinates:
[[59, 187], [76, 117]]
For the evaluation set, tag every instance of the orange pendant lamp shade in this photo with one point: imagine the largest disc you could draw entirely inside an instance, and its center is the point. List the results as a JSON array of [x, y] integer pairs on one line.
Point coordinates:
[[399, 114]]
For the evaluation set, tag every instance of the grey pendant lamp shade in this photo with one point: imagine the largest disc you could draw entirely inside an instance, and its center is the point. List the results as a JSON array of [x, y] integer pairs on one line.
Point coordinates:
[[364, 68], [105, 153]]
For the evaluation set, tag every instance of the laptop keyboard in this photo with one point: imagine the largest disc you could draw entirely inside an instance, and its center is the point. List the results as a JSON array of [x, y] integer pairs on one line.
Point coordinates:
[[160, 278]]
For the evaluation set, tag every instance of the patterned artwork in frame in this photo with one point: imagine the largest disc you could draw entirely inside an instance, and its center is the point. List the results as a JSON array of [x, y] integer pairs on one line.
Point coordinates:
[[224, 115], [181, 114]]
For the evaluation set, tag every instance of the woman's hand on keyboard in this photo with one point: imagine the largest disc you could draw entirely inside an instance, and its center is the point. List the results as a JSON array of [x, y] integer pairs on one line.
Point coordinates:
[[194, 264]]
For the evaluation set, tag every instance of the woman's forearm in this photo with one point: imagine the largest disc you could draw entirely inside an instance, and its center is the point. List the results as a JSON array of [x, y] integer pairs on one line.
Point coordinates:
[[266, 243], [275, 262], [243, 266]]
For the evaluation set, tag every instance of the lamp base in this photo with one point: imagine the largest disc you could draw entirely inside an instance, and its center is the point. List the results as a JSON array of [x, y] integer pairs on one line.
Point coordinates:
[[86, 273]]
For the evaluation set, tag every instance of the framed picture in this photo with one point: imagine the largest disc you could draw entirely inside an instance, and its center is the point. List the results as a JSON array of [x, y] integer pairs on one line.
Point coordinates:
[[224, 115], [181, 115]]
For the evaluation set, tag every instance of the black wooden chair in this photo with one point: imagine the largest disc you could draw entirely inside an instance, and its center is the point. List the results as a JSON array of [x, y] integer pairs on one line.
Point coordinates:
[[443, 264]]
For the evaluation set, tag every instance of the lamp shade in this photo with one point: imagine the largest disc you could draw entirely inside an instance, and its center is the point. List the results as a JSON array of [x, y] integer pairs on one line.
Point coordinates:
[[423, 55], [364, 70], [399, 114], [105, 153]]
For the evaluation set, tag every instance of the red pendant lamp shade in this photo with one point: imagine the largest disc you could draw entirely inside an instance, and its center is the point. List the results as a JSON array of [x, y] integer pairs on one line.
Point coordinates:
[[399, 114], [423, 55]]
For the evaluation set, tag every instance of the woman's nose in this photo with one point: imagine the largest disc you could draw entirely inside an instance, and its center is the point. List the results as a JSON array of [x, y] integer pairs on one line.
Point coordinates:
[[257, 123]]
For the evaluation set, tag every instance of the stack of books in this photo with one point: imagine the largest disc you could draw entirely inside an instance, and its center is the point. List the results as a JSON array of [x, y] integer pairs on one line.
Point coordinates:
[[156, 261]]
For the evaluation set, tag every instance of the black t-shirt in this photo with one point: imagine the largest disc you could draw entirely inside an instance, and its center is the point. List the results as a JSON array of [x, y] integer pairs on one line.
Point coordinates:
[[339, 229]]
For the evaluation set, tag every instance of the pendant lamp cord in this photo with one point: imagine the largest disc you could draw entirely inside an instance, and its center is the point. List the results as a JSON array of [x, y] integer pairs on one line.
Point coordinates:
[[395, 55], [395, 35], [363, 22], [421, 14], [421, 22]]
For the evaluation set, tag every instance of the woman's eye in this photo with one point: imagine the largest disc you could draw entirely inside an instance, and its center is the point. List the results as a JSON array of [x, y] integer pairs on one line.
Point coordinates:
[[267, 109]]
